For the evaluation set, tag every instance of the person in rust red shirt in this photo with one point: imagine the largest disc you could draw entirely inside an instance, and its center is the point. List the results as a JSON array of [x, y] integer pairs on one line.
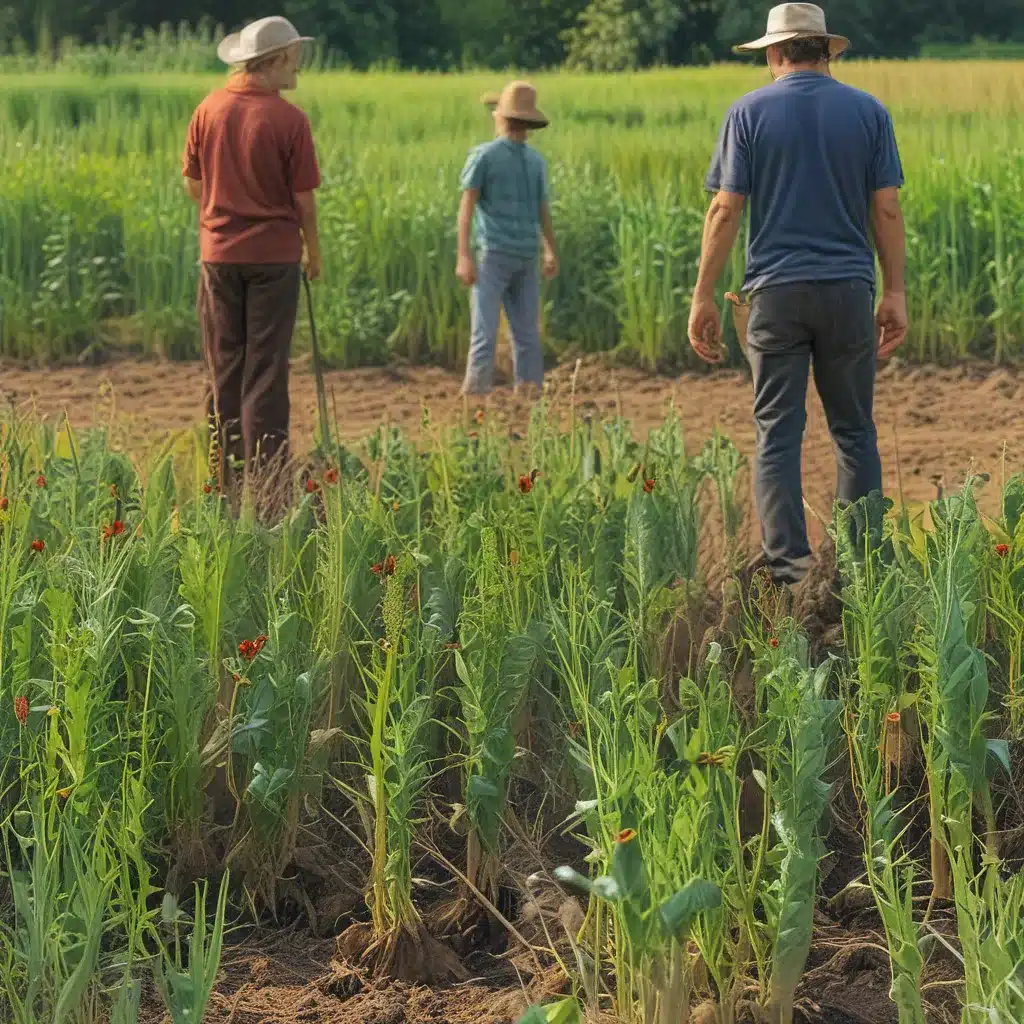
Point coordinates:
[[250, 165]]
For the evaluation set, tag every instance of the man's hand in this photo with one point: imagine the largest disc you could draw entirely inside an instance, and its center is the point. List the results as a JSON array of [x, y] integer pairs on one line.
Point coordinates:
[[311, 264], [550, 264], [465, 271], [706, 328], [891, 321]]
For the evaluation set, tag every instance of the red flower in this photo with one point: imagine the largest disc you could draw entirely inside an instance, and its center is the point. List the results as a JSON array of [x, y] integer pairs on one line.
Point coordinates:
[[377, 569], [248, 649], [260, 642], [40, 480], [4, 502], [331, 476], [1002, 550], [773, 642], [453, 646], [390, 564], [38, 546], [310, 485], [207, 489], [525, 484], [649, 483], [626, 836], [115, 529], [21, 709]]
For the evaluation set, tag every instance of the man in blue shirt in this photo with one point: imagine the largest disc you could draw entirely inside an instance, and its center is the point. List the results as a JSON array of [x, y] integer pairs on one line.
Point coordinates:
[[818, 163]]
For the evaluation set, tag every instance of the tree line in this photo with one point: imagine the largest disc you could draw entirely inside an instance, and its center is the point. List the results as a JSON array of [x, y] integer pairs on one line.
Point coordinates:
[[606, 35]]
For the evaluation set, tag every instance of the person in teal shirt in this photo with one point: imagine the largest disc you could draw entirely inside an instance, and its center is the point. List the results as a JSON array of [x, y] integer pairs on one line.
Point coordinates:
[[505, 217]]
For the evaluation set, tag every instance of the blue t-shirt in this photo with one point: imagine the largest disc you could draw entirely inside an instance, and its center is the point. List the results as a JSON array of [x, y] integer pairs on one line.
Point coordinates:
[[809, 152], [512, 180]]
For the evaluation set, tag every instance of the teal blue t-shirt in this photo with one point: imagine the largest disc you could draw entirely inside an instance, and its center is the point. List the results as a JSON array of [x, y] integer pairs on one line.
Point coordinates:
[[512, 180], [808, 152]]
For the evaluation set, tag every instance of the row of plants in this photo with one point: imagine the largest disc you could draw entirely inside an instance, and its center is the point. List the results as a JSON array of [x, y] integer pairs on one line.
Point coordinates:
[[98, 245], [439, 643]]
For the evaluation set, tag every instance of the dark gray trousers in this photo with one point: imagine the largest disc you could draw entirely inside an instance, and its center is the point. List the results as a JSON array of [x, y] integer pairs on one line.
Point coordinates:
[[830, 326]]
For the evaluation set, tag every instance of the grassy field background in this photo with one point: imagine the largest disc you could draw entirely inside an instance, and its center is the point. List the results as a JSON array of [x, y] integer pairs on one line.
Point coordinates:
[[98, 242]]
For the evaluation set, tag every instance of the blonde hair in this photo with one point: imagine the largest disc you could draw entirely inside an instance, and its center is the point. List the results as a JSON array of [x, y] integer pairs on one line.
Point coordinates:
[[258, 65]]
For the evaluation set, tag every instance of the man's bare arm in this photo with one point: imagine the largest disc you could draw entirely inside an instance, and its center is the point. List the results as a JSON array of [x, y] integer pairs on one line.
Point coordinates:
[[306, 203], [890, 237], [721, 226], [891, 243], [465, 269], [467, 207]]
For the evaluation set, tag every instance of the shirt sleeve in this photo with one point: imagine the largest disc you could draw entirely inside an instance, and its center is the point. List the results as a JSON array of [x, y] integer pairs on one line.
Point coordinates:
[[730, 165], [886, 167], [473, 172], [304, 169], [190, 165]]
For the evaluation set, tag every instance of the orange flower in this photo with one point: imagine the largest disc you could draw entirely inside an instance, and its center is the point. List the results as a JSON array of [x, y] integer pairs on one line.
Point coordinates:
[[377, 569], [21, 709], [395, 506], [38, 546], [649, 483], [310, 485], [773, 642], [207, 489], [40, 480], [331, 476], [1002, 550], [389, 565], [63, 794], [452, 645], [115, 529], [260, 642], [248, 649], [480, 416], [893, 716], [626, 836], [525, 484]]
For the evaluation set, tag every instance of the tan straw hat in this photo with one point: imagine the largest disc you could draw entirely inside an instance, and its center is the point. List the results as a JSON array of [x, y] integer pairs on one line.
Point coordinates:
[[796, 21], [518, 102], [268, 35]]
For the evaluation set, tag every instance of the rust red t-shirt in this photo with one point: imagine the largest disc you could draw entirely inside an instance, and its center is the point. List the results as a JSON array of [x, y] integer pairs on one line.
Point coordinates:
[[253, 152]]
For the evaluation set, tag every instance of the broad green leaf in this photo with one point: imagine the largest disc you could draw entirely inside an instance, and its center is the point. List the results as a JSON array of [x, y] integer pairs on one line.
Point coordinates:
[[679, 912]]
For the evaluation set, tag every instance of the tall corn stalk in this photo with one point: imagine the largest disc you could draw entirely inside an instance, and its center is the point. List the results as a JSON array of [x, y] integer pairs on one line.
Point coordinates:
[[502, 646]]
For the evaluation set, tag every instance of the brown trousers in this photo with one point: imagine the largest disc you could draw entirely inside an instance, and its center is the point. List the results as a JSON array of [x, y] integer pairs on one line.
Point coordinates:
[[247, 316]]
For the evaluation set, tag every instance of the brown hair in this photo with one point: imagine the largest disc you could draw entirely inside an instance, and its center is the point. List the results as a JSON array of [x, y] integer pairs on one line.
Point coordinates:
[[809, 50]]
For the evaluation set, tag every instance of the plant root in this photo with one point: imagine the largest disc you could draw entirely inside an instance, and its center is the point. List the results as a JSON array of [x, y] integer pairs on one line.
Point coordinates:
[[407, 953]]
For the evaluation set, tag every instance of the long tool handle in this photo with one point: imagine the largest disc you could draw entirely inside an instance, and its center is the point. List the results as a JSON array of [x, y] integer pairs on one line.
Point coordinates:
[[318, 369]]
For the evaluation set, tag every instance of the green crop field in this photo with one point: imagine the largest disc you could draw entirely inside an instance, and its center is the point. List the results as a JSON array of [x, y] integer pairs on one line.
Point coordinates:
[[448, 668], [98, 244]]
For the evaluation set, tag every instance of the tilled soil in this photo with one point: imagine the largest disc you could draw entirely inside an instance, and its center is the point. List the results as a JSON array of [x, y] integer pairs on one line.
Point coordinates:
[[935, 424]]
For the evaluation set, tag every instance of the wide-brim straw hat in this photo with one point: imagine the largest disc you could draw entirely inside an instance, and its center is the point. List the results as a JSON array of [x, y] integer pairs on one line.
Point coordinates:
[[518, 102], [260, 39], [796, 21]]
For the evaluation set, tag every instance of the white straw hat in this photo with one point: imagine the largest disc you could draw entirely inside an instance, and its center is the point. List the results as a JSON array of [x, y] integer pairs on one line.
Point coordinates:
[[268, 35], [796, 21]]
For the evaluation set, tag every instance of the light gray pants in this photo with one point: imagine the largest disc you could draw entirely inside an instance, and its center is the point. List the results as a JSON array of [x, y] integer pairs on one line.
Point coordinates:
[[513, 282]]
